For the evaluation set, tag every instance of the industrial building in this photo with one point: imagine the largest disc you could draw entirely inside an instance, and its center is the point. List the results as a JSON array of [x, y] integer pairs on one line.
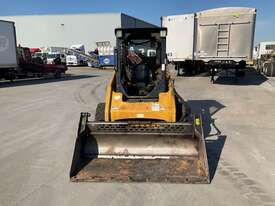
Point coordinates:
[[65, 30]]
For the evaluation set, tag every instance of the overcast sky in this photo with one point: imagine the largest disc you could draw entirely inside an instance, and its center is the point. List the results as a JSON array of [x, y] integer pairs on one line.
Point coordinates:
[[149, 10]]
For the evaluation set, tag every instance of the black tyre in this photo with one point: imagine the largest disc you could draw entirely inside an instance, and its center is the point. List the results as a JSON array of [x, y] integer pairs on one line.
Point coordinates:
[[100, 112], [180, 72], [242, 64], [57, 75]]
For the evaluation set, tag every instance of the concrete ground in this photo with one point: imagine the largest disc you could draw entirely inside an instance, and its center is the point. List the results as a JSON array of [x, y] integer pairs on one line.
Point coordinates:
[[38, 125]]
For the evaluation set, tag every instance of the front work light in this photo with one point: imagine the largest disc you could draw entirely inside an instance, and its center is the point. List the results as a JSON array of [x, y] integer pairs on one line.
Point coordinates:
[[163, 33], [118, 33]]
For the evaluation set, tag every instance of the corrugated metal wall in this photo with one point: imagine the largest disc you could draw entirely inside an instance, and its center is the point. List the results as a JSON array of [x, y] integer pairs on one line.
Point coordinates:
[[69, 29]]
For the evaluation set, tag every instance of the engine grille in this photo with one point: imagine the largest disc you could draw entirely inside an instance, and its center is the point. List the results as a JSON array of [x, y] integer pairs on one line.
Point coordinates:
[[138, 127]]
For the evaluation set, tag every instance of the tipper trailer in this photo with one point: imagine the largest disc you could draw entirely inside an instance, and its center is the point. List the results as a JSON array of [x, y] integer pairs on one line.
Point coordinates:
[[217, 39]]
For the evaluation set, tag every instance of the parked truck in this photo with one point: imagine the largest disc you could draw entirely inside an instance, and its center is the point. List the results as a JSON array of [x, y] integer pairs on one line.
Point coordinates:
[[17, 62], [30, 67], [265, 58], [76, 56], [216, 39]]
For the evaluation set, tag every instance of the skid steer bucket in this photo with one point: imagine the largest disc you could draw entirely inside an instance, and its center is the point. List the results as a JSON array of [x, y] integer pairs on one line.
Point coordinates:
[[139, 152]]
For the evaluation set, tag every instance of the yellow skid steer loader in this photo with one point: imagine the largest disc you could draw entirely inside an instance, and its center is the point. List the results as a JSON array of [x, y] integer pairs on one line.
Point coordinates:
[[144, 132]]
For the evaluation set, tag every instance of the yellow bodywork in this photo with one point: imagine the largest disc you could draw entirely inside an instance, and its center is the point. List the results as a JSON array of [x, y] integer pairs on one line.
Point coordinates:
[[116, 109]]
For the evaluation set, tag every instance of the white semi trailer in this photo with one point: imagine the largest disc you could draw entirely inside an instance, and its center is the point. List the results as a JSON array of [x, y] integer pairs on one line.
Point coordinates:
[[264, 48], [8, 55], [180, 42], [265, 58], [216, 39]]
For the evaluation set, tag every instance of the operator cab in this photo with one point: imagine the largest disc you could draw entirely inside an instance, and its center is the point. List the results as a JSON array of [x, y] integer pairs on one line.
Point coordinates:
[[141, 62]]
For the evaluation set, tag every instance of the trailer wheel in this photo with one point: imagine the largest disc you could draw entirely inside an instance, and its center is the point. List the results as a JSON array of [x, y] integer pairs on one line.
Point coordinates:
[[195, 70], [242, 64], [213, 72], [57, 75], [100, 112], [240, 70], [40, 75], [10, 76], [180, 72]]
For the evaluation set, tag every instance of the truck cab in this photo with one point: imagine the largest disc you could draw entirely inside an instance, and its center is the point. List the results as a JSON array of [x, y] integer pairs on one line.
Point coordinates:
[[72, 60], [52, 56]]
